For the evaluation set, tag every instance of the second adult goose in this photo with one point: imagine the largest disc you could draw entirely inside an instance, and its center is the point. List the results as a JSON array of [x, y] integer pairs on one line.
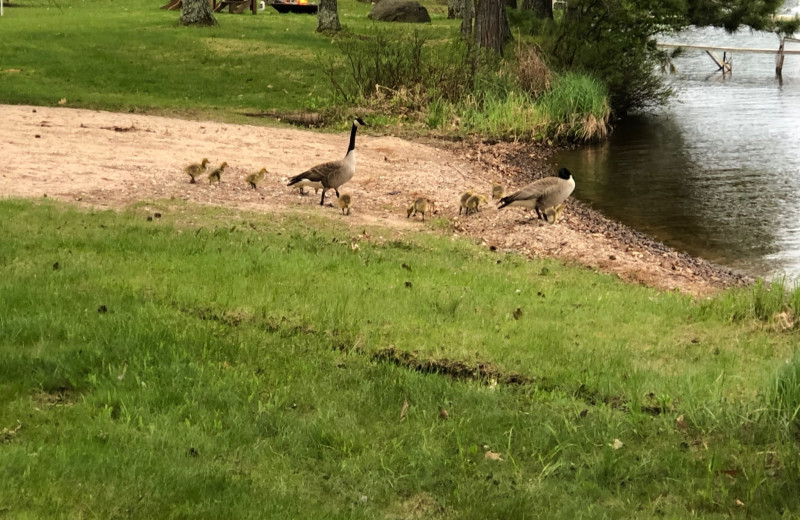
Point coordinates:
[[334, 173], [543, 193]]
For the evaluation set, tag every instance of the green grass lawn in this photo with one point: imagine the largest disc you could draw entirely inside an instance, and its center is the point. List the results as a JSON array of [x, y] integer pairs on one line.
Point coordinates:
[[131, 55], [218, 364]]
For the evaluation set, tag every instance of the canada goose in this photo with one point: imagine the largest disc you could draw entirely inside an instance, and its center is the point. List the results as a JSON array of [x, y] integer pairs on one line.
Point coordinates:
[[196, 169], [305, 183], [421, 205], [334, 173], [543, 193], [497, 192], [464, 197], [254, 178], [474, 203], [344, 202], [553, 215], [216, 174]]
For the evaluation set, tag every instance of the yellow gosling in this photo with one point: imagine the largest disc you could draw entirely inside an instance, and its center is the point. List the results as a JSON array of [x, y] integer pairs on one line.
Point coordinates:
[[498, 192], [216, 174], [475, 202], [254, 178], [464, 197], [344, 202], [196, 169], [421, 205], [553, 215]]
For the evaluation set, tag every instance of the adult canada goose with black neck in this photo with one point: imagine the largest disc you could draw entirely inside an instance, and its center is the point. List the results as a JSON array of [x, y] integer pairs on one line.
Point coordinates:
[[334, 173], [542, 194]]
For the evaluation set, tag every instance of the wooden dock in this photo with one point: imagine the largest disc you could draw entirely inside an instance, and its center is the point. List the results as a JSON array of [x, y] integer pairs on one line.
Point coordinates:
[[727, 49], [725, 63]]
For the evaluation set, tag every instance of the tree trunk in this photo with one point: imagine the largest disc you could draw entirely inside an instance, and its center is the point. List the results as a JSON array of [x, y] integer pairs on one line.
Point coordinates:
[[455, 8], [491, 25], [467, 16], [197, 12], [328, 16]]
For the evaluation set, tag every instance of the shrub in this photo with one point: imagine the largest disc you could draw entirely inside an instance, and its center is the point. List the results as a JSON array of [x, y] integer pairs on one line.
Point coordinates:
[[533, 73]]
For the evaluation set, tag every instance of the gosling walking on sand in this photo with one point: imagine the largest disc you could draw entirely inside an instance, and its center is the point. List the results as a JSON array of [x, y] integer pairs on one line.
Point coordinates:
[[474, 203], [254, 178], [464, 198], [216, 174], [195, 170], [497, 192], [421, 205], [553, 215], [344, 202]]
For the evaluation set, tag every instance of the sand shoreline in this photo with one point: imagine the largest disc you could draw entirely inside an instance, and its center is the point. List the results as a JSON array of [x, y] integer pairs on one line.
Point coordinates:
[[111, 160]]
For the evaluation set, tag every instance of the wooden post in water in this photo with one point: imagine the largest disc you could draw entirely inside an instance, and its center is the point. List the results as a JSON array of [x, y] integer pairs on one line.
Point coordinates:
[[724, 64], [779, 59]]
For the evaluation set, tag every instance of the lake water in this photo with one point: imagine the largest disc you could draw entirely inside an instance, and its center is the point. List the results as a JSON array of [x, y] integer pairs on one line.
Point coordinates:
[[717, 172]]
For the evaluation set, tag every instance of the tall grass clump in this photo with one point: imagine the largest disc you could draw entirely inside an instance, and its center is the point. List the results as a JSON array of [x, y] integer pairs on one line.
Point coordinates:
[[576, 108], [763, 301], [784, 398]]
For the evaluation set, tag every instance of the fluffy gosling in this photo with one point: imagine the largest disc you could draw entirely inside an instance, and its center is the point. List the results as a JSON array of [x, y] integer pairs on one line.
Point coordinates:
[[344, 202], [254, 178], [464, 197], [216, 174], [475, 202], [498, 192], [553, 215], [196, 169], [305, 183], [421, 205]]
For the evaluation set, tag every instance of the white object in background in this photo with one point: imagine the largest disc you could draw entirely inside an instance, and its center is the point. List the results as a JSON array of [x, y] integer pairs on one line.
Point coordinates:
[[262, 5]]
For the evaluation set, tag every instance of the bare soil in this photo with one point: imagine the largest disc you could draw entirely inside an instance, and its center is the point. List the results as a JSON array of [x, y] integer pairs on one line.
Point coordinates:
[[111, 160]]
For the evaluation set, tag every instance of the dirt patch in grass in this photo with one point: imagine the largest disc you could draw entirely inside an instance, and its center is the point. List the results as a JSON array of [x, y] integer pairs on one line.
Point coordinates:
[[490, 374], [451, 367], [61, 396], [70, 155]]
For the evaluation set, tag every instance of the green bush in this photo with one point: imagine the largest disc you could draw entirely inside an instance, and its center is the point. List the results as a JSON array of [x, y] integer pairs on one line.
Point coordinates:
[[615, 42]]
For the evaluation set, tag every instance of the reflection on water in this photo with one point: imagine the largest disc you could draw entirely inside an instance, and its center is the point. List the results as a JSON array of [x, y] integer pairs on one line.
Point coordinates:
[[715, 174]]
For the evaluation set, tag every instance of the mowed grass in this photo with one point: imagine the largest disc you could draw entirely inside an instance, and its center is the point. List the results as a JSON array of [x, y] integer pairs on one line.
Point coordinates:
[[113, 55], [217, 364]]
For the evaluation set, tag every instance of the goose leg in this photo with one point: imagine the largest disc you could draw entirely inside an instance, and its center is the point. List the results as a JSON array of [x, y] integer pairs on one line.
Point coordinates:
[[322, 200], [337, 192]]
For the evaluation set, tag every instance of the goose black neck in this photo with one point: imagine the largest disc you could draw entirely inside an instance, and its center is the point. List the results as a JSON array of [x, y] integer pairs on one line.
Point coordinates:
[[352, 138]]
